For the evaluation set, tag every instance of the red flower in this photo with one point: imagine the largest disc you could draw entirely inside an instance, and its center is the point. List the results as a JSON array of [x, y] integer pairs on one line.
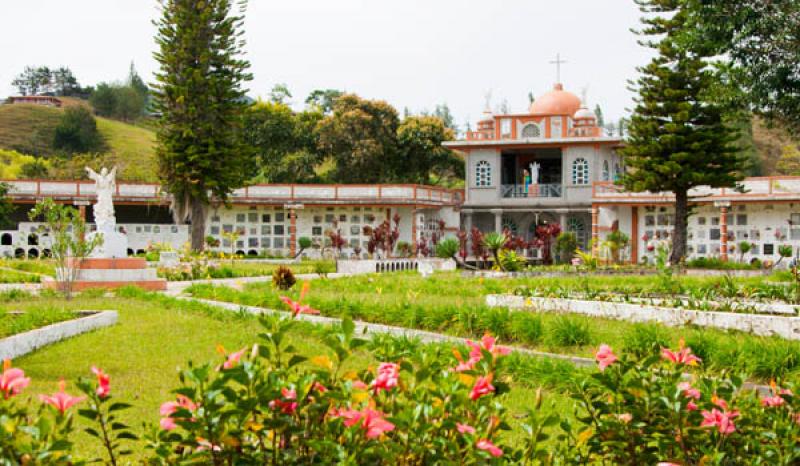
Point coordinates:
[[13, 380], [483, 386], [605, 357], [287, 405], [103, 382], [387, 378], [61, 400], [488, 446]]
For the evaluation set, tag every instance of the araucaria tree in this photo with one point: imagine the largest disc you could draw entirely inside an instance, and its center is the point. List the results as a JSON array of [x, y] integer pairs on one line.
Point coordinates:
[[677, 137], [199, 94]]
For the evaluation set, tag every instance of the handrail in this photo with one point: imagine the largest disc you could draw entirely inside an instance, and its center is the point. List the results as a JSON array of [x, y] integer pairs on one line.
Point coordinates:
[[285, 192]]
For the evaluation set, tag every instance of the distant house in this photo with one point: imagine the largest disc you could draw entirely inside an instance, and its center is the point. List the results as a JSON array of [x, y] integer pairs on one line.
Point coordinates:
[[45, 100]]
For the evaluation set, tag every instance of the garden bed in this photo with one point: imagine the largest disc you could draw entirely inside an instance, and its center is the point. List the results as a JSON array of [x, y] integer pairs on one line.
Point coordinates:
[[451, 304], [31, 330], [762, 325]]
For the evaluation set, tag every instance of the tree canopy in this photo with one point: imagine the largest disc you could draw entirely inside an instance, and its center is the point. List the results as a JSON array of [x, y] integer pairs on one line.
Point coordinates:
[[678, 138], [758, 41], [201, 99]]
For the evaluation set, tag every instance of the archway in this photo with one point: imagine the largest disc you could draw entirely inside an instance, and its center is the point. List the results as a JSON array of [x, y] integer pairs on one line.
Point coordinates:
[[7, 239]]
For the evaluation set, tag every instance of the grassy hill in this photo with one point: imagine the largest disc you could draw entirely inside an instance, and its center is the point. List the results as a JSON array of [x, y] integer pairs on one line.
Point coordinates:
[[29, 129]]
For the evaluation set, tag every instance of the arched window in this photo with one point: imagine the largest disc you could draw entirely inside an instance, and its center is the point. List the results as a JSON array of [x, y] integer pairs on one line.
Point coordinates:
[[483, 174], [617, 172], [580, 171], [531, 130], [510, 225], [606, 171], [577, 227]]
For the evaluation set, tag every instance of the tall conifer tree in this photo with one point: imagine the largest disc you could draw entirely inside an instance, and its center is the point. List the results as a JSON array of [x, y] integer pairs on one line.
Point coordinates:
[[677, 139], [201, 100]]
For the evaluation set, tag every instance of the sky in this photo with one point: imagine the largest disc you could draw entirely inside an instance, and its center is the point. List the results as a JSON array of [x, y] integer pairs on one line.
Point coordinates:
[[414, 54]]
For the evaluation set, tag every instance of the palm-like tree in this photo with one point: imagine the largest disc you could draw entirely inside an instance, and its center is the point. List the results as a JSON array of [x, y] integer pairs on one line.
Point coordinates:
[[495, 241]]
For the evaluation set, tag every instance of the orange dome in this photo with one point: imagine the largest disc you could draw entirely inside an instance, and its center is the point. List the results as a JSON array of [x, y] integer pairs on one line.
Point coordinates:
[[556, 102]]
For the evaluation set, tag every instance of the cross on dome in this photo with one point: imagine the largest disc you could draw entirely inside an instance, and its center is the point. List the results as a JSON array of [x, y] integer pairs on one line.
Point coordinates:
[[558, 62]]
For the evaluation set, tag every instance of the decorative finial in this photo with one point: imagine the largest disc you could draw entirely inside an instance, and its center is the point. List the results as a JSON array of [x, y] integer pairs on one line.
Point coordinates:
[[584, 93]]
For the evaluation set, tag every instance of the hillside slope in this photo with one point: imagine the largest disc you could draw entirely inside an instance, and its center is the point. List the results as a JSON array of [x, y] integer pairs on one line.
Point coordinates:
[[29, 129]]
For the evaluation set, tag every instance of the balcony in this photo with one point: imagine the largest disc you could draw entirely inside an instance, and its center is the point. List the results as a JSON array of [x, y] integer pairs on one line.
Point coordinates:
[[518, 191]]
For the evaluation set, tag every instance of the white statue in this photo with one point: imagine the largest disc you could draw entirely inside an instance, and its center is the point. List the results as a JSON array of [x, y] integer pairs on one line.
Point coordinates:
[[114, 244], [535, 172], [105, 186]]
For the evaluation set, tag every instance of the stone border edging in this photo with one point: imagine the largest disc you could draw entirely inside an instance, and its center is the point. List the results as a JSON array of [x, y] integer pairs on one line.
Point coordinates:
[[757, 324], [20, 344]]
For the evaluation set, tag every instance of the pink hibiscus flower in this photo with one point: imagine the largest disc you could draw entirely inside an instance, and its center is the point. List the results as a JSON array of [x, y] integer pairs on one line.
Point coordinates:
[[61, 400], [13, 380], [483, 386], [103, 382], [605, 357], [388, 376], [488, 446]]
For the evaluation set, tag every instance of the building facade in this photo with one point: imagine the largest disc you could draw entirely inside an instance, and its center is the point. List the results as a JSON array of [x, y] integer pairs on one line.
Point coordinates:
[[764, 212], [269, 219], [529, 169]]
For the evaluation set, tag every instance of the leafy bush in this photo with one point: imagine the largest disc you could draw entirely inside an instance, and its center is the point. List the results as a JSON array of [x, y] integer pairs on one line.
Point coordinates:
[[569, 331], [510, 261], [323, 268], [716, 263], [526, 327], [566, 244], [283, 278], [646, 411], [77, 132], [645, 339], [447, 248]]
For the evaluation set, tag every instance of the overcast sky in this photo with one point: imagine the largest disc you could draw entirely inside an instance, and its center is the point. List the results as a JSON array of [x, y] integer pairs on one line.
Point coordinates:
[[412, 53]]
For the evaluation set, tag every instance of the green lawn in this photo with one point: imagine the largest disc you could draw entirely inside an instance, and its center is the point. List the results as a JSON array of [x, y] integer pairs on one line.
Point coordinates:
[[453, 304], [37, 266], [156, 336], [13, 276]]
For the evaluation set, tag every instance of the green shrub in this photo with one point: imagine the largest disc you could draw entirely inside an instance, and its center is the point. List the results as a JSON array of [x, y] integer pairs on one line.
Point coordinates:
[[447, 248], [323, 268], [645, 340], [569, 331], [77, 132], [495, 321], [526, 327], [510, 261], [566, 244]]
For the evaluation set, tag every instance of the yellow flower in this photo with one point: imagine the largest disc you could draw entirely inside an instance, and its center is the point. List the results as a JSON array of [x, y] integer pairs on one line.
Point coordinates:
[[322, 361]]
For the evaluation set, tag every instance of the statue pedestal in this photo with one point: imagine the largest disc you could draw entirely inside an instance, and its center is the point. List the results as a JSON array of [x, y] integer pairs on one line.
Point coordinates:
[[110, 273], [113, 246]]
